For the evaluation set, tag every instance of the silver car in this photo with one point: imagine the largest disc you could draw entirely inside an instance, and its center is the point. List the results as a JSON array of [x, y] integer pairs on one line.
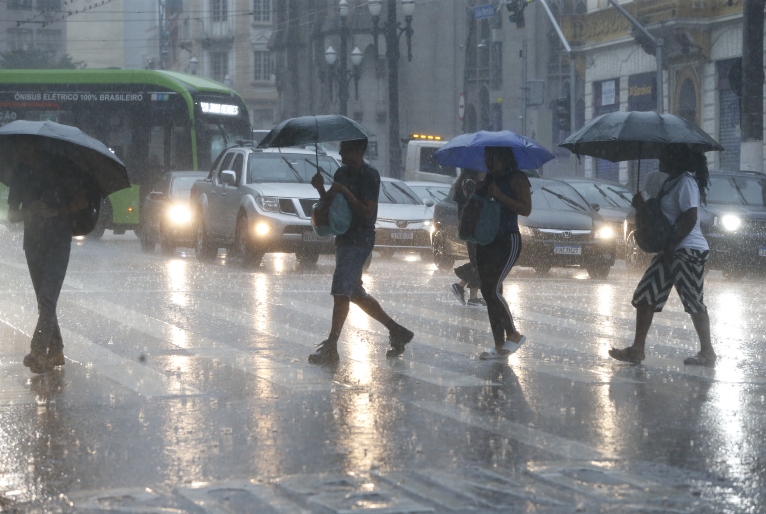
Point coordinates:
[[404, 221]]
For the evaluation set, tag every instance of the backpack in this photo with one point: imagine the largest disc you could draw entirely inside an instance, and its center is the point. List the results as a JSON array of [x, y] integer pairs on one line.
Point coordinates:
[[480, 220], [653, 228], [84, 221], [331, 216]]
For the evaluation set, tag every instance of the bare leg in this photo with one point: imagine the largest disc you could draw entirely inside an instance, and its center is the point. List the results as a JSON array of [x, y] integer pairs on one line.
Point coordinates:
[[339, 315], [473, 293], [372, 308], [644, 317], [701, 322]]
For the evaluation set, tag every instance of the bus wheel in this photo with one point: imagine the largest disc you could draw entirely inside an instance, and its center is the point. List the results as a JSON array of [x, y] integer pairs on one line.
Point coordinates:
[[204, 249], [104, 217]]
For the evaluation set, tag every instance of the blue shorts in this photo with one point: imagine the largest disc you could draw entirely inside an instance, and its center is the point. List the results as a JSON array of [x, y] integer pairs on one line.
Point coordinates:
[[349, 266]]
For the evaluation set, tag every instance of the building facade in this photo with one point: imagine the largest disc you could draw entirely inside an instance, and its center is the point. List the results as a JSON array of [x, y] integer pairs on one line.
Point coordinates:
[[227, 40], [702, 53], [33, 25]]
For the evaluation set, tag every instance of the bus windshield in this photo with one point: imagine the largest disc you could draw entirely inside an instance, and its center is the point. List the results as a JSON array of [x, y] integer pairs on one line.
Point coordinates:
[[214, 135]]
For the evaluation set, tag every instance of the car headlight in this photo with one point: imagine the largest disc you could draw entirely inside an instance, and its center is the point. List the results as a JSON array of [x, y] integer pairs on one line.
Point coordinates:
[[268, 203], [262, 228], [731, 222], [605, 232], [526, 231], [427, 223], [179, 214]]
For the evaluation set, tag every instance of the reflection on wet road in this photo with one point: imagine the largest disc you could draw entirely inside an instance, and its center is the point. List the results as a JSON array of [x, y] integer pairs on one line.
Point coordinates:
[[187, 390]]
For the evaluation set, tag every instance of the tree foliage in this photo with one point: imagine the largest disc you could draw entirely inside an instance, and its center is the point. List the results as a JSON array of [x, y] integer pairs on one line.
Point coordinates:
[[37, 60]]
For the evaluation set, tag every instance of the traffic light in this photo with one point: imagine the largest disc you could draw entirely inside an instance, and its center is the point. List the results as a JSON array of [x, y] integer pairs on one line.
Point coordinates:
[[564, 113], [516, 8]]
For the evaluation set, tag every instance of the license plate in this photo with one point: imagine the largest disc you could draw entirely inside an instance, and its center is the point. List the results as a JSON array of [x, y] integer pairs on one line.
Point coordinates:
[[402, 234], [567, 249], [313, 238], [762, 251]]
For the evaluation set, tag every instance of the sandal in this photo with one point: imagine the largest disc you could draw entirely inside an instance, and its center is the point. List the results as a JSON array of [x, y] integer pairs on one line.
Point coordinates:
[[701, 359], [509, 348], [627, 355]]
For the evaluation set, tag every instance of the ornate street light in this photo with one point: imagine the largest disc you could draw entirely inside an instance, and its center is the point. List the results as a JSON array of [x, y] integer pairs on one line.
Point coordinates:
[[392, 30], [193, 62]]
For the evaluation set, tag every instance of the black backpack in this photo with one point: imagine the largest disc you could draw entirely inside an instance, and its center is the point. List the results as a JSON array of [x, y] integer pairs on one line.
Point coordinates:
[[653, 228], [84, 221]]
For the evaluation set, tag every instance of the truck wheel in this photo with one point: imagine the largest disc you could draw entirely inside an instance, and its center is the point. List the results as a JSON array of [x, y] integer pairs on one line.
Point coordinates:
[[543, 269], [244, 248], [635, 258], [600, 271], [386, 253], [442, 260], [104, 218], [204, 249], [307, 257], [146, 244]]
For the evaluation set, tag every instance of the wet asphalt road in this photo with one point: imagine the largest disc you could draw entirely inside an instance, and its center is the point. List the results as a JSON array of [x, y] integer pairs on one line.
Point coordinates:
[[187, 390]]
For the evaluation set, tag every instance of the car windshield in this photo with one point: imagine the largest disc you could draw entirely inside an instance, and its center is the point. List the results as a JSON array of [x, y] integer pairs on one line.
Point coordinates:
[[181, 187], [435, 193], [288, 167], [397, 192], [749, 191], [561, 197], [604, 194]]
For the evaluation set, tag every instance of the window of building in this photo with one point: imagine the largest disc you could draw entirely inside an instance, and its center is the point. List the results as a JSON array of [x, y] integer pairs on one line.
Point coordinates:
[[263, 66], [48, 4], [49, 40], [219, 65], [19, 39], [220, 9], [262, 10], [19, 4]]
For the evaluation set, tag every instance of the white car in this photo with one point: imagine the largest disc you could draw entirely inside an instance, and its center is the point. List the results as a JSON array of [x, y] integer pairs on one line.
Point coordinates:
[[404, 221], [430, 193]]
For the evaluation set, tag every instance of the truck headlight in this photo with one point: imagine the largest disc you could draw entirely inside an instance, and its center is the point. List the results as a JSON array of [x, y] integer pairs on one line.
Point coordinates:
[[179, 214], [605, 232], [731, 222], [262, 228], [268, 203]]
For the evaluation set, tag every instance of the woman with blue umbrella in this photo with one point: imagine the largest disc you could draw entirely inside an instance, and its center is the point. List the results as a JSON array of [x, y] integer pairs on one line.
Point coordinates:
[[503, 155]]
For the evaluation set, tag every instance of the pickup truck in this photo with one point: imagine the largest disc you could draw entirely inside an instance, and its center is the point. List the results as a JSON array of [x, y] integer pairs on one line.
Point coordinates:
[[257, 201]]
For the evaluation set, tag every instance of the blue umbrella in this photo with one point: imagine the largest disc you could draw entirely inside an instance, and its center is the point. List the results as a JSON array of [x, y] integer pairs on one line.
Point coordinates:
[[467, 150]]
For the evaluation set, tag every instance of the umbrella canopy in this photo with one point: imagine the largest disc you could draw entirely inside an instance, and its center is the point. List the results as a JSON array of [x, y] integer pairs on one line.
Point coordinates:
[[89, 155], [630, 135], [467, 150], [310, 130]]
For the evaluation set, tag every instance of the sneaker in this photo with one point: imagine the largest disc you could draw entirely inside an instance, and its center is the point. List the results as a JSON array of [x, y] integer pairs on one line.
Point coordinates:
[[56, 358], [37, 362], [459, 292], [399, 337], [476, 302], [326, 353]]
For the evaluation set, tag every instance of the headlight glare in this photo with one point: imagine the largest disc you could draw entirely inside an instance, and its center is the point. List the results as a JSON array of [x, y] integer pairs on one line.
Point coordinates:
[[526, 231], [268, 203], [262, 228], [731, 222], [605, 232], [179, 214]]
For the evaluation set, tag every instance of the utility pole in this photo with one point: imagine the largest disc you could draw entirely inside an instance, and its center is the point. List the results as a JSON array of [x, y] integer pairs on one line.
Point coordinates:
[[571, 54], [751, 110]]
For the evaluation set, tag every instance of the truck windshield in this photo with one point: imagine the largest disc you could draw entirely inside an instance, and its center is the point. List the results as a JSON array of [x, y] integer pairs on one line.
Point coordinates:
[[287, 167], [429, 164], [737, 191]]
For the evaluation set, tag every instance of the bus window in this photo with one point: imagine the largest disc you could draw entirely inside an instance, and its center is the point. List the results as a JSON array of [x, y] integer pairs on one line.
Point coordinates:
[[429, 164], [214, 136], [157, 150]]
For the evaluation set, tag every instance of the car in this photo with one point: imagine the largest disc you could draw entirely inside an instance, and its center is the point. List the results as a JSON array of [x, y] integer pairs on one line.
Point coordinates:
[[433, 192], [733, 221], [563, 230], [256, 201], [404, 221], [165, 216], [610, 199]]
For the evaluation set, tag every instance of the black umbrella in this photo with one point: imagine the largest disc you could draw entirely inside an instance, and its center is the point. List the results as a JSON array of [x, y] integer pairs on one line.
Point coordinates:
[[88, 154], [312, 130]]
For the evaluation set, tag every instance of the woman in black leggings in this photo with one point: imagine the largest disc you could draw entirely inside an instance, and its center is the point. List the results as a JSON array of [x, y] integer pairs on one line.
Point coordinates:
[[510, 187]]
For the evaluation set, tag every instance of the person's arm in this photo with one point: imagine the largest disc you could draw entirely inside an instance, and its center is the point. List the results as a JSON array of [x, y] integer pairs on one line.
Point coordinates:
[[318, 182], [521, 206]]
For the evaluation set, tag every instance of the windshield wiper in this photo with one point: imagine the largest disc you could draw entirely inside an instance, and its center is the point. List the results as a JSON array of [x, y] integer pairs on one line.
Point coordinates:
[[739, 191], [564, 198], [608, 199], [292, 168], [321, 170], [388, 195], [620, 194]]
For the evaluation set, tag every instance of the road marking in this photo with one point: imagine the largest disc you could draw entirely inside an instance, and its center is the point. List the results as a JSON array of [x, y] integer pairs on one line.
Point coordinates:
[[522, 433]]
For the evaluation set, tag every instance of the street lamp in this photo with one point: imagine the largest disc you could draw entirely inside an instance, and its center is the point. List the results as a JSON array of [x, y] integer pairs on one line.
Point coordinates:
[[342, 74], [193, 62], [392, 30]]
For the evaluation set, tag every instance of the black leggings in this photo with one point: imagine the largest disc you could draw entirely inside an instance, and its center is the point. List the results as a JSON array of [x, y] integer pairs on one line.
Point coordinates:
[[494, 261]]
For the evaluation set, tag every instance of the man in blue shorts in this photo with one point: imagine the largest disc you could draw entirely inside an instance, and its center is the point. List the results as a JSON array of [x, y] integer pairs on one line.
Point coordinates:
[[360, 184]]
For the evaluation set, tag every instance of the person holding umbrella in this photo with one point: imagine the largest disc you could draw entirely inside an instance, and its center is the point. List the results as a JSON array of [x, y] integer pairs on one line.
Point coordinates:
[[43, 193], [359, 183], [682, 263]]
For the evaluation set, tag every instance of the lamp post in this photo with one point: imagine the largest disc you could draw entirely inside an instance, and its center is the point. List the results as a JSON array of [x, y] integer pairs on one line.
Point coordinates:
[[193, 62], [392, 30], [343, 75]]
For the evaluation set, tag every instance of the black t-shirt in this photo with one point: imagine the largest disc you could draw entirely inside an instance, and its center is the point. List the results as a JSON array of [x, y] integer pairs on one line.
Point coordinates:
[[55, 183], [365, 186]]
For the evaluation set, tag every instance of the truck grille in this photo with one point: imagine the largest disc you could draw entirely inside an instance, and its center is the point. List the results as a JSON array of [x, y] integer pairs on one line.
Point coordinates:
[[307, 205]]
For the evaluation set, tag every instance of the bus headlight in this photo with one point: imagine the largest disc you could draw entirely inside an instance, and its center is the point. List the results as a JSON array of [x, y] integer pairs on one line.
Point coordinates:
[[731, 222], [605, 232], [179, 214], [268, 203], [262, 228]]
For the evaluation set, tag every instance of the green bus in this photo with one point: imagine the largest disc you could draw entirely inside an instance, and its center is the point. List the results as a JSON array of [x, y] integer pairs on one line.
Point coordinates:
[[155, 121]]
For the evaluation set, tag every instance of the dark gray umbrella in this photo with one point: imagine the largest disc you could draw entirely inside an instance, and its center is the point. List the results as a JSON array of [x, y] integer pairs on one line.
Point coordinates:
[[311, 130], [88, 154], [631, 135]]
